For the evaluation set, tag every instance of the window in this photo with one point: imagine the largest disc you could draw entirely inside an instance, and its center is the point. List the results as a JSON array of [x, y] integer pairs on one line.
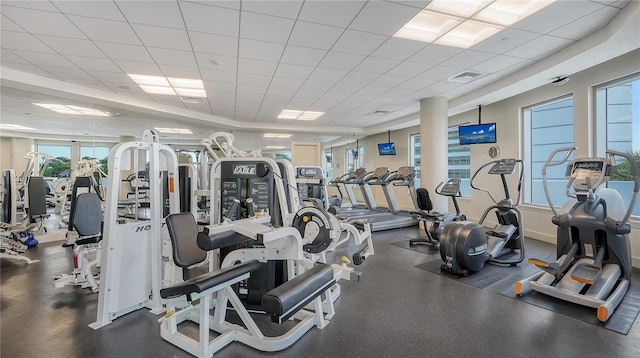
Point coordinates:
[[329, 165], [100, 154], [61, 162], [282, 155], [414, 156], [548, 126], [618, 127], [354, 159], [459, 160]]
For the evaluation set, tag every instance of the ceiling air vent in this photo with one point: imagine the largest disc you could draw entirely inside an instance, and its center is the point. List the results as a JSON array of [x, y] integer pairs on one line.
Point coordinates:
[[466, 77], [191, 99], [380, 112]]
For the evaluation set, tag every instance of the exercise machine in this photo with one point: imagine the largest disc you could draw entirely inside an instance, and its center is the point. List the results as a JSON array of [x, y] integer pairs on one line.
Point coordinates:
[[136, 260], [433, 221], [593, 268], [11, 247], [465, 246]]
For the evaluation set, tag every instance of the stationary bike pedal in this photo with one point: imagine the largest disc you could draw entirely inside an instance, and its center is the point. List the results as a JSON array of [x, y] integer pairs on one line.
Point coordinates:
[[586, 273]]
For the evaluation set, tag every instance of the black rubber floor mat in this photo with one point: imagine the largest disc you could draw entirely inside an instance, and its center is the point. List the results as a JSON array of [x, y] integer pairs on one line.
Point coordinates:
[[422, 248], [621, 321]]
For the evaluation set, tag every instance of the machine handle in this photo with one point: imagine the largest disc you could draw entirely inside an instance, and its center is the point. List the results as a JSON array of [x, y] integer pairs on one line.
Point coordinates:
[[550, 163], [476, 174]]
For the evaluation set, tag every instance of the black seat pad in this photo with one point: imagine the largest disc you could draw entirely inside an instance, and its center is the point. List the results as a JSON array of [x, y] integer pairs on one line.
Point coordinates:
[[217, 241], [204, 282], [283, 298]]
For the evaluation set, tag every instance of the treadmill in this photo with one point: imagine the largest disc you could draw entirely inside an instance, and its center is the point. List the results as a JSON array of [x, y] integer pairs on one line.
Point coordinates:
[[371, 208], [394, 218]]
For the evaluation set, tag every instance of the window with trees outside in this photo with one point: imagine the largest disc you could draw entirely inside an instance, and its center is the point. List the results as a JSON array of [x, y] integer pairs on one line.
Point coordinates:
[[548, 126], [354, 159], [61, 164], [618, 128], [329, 165], [414, 156], [100, 154]]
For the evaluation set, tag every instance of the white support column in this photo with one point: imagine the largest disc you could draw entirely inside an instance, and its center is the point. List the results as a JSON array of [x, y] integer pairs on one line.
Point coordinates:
[[434, 122]]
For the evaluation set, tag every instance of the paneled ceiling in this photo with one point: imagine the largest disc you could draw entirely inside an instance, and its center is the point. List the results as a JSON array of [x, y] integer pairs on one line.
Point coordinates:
[[257, 58]]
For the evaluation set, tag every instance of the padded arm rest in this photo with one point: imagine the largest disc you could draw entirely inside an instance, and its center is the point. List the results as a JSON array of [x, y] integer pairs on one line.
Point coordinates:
[[204, 282], [216, 241], [287, 299]]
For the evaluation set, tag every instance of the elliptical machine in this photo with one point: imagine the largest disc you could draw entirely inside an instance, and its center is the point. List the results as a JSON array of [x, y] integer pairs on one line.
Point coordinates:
[[434, 222], [466, 246], [593, 268]]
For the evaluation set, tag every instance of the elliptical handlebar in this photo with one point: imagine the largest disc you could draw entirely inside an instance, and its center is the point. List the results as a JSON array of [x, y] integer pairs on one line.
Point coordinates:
[[502, 175], [549, 163], [634, 177]]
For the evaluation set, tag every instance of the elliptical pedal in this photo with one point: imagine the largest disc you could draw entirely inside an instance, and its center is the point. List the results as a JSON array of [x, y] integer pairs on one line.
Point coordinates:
[[586, 273], [551, 267]]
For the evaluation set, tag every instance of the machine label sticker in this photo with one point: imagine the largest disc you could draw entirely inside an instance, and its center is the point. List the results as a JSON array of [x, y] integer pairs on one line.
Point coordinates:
[[244, 169]]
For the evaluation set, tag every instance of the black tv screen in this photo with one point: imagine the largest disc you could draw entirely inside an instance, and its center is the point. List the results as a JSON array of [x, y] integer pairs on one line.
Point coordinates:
[[387, 148], [477, 133]]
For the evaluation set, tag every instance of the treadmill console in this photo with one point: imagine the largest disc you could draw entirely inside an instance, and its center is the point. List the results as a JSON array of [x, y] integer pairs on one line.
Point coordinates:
[[451, 188], [309, 172], [503, 166]]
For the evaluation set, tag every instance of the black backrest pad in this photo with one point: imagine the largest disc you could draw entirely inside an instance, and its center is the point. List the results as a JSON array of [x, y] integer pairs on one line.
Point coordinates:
[[87, 218], [37, 196], [183, 231], [424, 201]]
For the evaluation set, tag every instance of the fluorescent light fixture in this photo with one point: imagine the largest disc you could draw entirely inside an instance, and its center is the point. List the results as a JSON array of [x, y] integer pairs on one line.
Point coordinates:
[[183, 87], [299, 115], [64, 109], [464, 23], [277, 135], [468, 34], [274, 147], [508, 12], [15, 127], [427, 26], [174, 130]]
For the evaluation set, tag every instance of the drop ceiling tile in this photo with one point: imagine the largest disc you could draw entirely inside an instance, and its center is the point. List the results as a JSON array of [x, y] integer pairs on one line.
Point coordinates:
[[398, 49], [251, 89], [505, 40], [9, 57], [497, 64], [113, 78], [288, 9], [265, 27], [438, 73], [42, 22], [94, 64], [162, 37], [359, 78], [540, 47], [371, 90], [434, 54], [35, 5], [443, 86], [383, 17], [253, 79], [341, 60], [555, 15], [215, 44], [468, 59], [139, 68], [389, 81], [172, 57], [419, 4], [44, 59], [319, 36], [260, 50], [98, 9], [488, 79], [287, 82], [210, 19], [69, 46], [217, 62], [358, 42], [376, 65], [89, 83], [164, 13], [334, 13], [26, 67], [408, 69], [118, 51], [583, 26], [180, 71], [517, 67], [297, 55], [281, 92], [255, 66], [23, 41], [68, 74], [327, 74], [317, 85], [106, 30], [7, 25], [218, 75]]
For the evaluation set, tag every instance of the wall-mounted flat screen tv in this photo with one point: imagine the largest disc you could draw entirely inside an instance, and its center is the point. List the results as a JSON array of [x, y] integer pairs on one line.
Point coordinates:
[[477, 133], [387, 148]]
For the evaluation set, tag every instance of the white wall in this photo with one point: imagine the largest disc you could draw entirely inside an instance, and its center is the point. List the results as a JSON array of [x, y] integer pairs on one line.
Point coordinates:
[[13, 151]]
